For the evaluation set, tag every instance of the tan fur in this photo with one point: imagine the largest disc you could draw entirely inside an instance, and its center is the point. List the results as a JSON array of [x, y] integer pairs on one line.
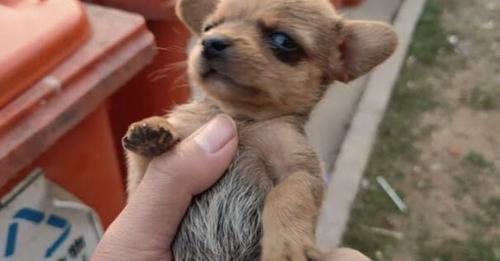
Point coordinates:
[[289, 218], [270, 100]]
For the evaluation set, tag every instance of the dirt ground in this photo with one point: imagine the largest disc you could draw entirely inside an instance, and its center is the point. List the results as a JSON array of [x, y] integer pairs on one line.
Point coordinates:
[[439, 145]]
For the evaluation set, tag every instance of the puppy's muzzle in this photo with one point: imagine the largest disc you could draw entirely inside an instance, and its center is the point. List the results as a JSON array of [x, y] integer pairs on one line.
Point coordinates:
[[215, 47]]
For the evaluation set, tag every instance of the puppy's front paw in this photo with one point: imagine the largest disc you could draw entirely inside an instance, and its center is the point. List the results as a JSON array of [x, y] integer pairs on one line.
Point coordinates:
[[150, 137]]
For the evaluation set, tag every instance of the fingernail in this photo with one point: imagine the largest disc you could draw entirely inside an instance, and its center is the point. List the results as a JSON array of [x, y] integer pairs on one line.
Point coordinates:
[[215, 134]]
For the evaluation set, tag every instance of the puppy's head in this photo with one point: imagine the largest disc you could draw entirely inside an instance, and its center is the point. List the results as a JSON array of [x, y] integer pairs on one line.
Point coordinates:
[[266, 58]]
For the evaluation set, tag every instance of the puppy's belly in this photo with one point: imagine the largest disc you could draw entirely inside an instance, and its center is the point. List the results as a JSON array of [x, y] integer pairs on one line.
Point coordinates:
[[224, 223]]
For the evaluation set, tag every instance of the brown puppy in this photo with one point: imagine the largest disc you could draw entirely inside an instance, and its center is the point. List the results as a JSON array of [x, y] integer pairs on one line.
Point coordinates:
[[266, 63]]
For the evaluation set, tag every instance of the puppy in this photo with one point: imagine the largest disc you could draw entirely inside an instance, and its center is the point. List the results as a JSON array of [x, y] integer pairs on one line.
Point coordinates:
[[265, 63]]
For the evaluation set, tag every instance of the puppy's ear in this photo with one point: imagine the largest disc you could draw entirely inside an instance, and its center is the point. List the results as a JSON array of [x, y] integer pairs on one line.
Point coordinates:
[[193, 13], [365, 45]]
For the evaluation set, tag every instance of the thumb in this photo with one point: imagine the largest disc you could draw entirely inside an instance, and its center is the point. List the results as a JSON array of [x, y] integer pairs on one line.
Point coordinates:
[[150, 219], [197, 162]]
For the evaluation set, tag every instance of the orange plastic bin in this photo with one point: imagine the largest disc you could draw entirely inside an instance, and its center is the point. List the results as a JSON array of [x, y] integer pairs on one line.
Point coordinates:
[[61, 122]]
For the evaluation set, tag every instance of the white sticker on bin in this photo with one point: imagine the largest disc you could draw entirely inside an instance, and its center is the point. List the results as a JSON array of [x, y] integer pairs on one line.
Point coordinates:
[[41, 221]]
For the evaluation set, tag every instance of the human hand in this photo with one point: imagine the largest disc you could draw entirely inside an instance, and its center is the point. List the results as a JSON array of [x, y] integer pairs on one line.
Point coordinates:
[[146, 227]]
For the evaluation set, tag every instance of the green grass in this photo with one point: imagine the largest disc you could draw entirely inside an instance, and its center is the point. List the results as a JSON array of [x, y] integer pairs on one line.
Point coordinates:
[[481, 100], [476, 248], [395, 153], [488, 216], [367, 212], [491, 208], [399, 131], [476, 160], [477, 165], [480, 244], [430, 37]]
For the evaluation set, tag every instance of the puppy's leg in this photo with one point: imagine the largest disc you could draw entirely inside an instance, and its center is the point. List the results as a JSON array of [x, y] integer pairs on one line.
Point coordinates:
[[289, 222], [136, 167], [153, 136], [144, 140], [289, 218]]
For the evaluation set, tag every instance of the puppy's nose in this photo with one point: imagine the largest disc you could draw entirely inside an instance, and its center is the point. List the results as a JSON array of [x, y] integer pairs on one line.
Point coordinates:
[[215, 47]]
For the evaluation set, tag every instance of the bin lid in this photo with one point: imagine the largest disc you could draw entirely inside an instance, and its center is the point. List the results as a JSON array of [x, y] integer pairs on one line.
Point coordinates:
[[36, 36], [120, 46]]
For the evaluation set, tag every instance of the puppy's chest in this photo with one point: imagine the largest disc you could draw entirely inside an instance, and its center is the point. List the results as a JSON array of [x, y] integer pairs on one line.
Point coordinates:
[[278, 145]]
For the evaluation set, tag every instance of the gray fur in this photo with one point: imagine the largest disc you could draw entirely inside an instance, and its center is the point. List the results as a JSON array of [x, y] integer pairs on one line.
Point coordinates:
[[224, 223]]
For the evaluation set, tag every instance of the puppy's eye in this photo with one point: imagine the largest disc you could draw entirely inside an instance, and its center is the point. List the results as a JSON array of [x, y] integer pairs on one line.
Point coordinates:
[[283, 42], [208, 27], [284, 47], [211, 24]]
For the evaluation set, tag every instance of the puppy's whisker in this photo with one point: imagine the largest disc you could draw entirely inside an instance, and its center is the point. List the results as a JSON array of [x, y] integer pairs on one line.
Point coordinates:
[[174, 65], [178, 87], [159, 77], [168, 68], [173, 48], [177, 80], [179, 83], [161, 72], [176, 31]]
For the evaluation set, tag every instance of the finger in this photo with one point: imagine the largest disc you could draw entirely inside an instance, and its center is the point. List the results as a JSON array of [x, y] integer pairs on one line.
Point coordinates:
[[346, 254], [200, 160], [154, 212]]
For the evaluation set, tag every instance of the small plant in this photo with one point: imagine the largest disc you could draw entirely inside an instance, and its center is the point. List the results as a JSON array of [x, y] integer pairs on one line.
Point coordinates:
[[434, 36], [479, 99], [477, 160]]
